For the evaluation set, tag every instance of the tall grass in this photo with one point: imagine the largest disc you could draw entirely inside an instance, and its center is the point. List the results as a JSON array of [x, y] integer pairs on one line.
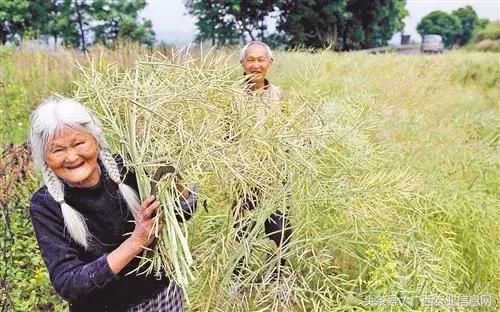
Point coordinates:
[[27, 75], [410, 203], [411, 207]]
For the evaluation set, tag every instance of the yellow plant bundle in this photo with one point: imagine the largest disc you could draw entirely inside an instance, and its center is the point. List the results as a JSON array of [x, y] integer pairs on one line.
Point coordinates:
[[194, 114]]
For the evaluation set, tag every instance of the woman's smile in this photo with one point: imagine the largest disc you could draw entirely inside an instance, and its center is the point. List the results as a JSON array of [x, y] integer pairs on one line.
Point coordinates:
[[76, 166]]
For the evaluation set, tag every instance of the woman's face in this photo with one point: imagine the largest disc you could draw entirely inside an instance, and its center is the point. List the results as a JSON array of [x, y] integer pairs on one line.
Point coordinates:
[[72, 155]]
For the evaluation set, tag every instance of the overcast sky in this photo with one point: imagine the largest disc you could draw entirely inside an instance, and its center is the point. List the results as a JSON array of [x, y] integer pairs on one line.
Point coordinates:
[[173, 24]]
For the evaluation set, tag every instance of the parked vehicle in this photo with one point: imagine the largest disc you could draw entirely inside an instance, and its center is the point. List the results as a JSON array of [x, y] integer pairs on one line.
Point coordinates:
[[432, 44]]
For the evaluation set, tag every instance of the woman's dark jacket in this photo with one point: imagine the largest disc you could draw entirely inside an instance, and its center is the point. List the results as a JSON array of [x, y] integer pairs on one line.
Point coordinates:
[[83, 277]]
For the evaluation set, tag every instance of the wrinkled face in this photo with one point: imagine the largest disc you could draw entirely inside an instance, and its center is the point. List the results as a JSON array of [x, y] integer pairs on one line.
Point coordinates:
[[72, 155], [256, 62]]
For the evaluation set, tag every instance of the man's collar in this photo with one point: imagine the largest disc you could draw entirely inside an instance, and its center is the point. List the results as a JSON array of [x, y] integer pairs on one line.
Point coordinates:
[[248, 82]]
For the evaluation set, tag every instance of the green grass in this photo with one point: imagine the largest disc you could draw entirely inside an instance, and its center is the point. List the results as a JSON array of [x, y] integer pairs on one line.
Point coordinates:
[[410, 203], [26, 77]]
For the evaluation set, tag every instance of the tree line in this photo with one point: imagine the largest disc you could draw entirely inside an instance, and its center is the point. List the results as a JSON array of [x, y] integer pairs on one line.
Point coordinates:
[[339, 24], [75, 23], [456, 28]]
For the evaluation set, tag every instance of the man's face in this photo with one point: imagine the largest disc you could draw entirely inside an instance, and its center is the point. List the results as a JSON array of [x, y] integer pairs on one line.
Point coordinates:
[[256, 63]]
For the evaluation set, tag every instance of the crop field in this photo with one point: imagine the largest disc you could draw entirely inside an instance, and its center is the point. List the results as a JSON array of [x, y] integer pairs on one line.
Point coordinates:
[[405, 218]]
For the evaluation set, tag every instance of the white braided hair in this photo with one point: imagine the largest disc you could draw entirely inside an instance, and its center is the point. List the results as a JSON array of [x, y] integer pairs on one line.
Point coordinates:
[[52, 116]]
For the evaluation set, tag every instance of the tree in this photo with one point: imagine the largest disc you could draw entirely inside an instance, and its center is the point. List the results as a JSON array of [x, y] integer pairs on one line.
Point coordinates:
[[372, 24], [75, 20], [314, 23], [79, 23], [443, 24], [119, 20], [231, 21], [12, 19], [51, 25], [469, 21], [21, 18], [347, 24], [455, 28], [211, 24]]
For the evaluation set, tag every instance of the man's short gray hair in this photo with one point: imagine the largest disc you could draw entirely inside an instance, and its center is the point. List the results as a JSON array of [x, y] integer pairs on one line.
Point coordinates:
[[243, 51]]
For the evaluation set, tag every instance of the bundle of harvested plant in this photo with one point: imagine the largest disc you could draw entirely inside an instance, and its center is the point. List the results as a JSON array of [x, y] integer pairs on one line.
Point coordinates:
[[192, 114]]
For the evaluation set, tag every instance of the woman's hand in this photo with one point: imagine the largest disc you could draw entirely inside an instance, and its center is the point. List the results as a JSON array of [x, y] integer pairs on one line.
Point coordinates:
[[141, 236], [143, 233]]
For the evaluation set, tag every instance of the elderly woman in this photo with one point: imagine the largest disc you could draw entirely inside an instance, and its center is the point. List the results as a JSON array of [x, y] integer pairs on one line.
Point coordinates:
[[85, 210]]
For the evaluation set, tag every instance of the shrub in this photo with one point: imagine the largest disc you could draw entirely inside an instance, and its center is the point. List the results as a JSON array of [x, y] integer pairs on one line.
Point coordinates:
[[491, 31], [488, 45], [24, 284]]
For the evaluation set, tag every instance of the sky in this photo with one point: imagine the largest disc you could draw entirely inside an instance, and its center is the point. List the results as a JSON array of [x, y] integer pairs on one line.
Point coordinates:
[[172, 23]]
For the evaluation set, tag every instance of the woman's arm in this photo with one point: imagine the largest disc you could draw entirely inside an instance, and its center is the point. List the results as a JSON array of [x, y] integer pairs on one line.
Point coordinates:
[[71, 276], [141, 236]]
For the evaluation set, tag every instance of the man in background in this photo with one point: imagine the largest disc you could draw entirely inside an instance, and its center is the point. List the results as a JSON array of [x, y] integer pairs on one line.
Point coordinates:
[[256, 59]]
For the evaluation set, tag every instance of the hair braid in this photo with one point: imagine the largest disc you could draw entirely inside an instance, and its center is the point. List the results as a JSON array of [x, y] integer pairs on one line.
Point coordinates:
[[127, 192], [73, 220]]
